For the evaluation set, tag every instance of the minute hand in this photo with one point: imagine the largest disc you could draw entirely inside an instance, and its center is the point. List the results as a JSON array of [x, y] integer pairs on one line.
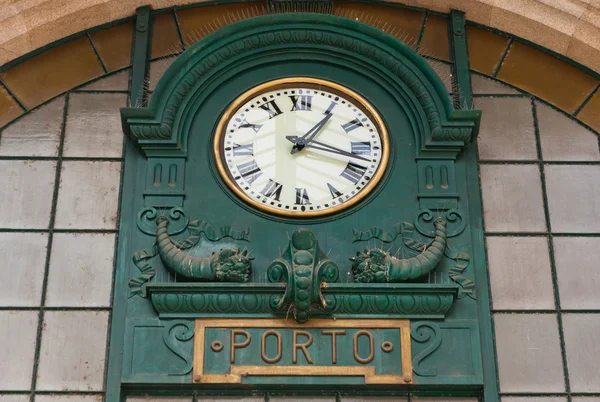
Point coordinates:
[[328, 148]]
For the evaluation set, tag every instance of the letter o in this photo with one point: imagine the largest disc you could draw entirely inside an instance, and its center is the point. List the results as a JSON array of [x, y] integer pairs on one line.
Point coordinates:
[[369, 358]]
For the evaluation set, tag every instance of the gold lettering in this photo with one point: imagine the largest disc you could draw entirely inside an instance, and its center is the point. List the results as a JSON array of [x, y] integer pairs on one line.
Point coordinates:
[[263, 350], [371, 347], [302, 346], [235, 345], [333, 334]]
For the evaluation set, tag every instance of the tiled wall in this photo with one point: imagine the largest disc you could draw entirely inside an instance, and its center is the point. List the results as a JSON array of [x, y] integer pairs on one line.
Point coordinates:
[[540, 180], [61, 169], [60, 181], [339, 398]]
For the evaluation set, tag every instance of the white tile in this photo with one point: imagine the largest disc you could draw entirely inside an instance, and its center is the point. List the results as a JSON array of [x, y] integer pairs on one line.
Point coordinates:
[[94, 125], [585, 399], [515, 263], [157, 69], [302, 398], [18, 332], [230, 399], [442, 399], [487, 86], [506, 130], [35, 134], [88, 195], [374, 399], [576, 260], [512, 198], [563, 139], [68, 398], [534, 399], [73, 351], [160, 399], [26, 196], [114, 82], [528, 353], [81, 267], [573, 198], [14, 398], [583, 351], [24, 254]]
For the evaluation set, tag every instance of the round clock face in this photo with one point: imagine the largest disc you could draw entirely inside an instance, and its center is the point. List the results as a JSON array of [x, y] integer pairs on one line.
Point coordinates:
[[301, 147]]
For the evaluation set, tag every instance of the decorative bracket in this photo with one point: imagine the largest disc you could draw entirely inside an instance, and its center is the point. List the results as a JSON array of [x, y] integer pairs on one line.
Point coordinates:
[[304, 268]]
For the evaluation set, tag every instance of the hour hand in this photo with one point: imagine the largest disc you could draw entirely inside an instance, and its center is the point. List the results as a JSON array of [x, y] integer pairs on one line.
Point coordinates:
[[303, 141]]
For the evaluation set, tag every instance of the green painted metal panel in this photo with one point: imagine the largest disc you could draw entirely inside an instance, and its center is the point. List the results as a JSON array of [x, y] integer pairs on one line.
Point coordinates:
[[401, 254]]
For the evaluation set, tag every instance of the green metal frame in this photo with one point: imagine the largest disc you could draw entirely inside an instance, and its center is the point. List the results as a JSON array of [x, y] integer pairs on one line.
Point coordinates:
[[160, 133]]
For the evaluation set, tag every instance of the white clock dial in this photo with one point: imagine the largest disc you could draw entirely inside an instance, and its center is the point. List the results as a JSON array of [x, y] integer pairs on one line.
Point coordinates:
[[301, 148]]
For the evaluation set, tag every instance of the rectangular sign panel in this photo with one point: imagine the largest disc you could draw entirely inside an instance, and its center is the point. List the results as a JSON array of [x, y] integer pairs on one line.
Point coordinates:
[[252, 350]]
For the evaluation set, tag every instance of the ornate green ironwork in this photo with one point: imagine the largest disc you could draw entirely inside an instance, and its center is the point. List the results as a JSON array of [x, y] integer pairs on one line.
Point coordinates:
[[303, 266], [377, 265], [391, 300]]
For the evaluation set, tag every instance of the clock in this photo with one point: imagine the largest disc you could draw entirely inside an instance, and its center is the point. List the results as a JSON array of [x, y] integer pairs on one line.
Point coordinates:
[[301, 147]]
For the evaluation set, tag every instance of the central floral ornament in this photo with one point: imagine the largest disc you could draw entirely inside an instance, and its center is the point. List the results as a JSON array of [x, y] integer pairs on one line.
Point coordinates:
[[303, 266]]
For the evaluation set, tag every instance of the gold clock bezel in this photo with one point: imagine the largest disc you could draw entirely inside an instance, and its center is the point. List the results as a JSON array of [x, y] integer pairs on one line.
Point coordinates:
[[316, 83]]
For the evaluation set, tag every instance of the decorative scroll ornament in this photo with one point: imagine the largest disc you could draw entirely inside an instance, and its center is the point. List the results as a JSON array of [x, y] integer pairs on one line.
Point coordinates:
[[425, 331], [452, 216], [174, 334], [146, 220], [304, 268], [226, 265], [377, 265]]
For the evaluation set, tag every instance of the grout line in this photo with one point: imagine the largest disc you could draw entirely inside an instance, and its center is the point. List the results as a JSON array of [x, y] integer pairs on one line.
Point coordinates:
[[96, 52], [54, 308], [535, 162], [36, 359], [587, 99], [12, 95], [65, 158], [545, 311], [100, 91], [421, 31], [493, 95], [61, 230], [538, 234], [503, 58], [551, 250], [178, 26]]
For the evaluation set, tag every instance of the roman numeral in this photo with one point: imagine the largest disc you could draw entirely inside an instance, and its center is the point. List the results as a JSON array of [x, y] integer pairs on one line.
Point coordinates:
[[302, 197], [334, 192], [254, 127], [330, 108], [271, 108], [361, 148], [351, 125], [353, 172], [272, 190], [301, 102], [243, 150], [250, 171]]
